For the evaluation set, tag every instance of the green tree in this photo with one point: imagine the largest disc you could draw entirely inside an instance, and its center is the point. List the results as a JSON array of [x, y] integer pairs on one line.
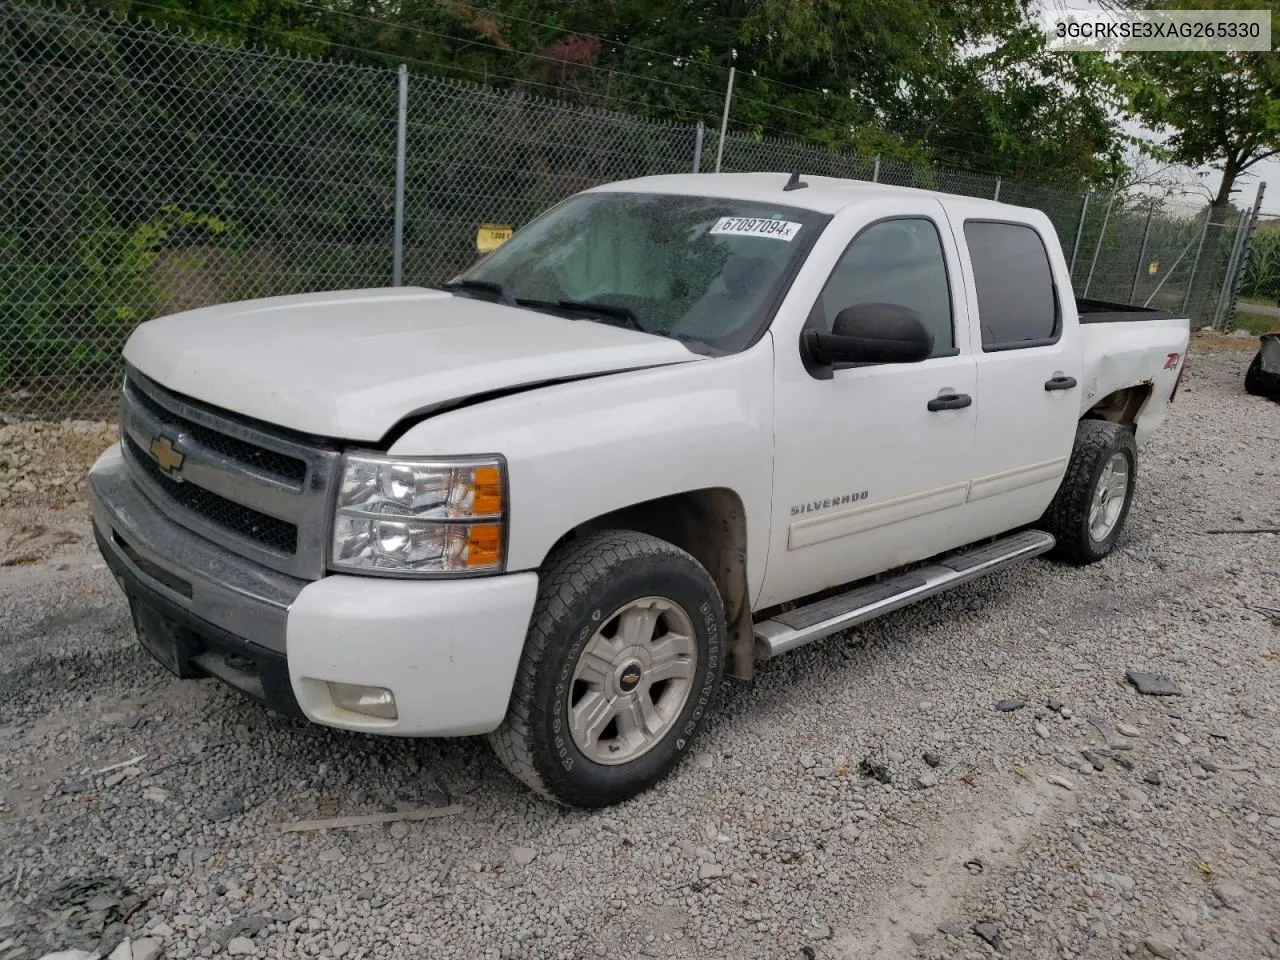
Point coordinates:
[[1021, 111], [1220, 109], [893, 77], [896, 77], [1217, 109]]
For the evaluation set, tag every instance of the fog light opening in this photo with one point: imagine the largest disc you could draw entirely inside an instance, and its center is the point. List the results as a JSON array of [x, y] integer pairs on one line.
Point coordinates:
[[371, 701]]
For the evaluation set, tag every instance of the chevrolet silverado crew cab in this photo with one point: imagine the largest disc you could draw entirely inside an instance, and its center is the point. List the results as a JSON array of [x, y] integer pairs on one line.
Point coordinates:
[[673, 426]]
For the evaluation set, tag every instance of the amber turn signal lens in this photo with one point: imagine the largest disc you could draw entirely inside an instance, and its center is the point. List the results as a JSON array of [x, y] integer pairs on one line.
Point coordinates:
[[486, 484], [484, 545]]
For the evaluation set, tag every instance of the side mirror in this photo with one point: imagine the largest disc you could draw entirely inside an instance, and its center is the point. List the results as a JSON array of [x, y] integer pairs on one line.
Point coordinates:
[[869, 333]]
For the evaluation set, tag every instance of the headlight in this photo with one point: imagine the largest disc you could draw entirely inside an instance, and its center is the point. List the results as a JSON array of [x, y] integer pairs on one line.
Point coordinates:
[[406, 517]]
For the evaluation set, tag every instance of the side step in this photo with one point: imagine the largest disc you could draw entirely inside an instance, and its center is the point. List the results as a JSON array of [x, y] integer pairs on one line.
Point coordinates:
[[822, 618]]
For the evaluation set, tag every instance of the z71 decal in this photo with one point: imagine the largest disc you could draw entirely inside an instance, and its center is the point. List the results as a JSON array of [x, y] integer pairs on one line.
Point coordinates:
[[1171, 362], [815, 505]]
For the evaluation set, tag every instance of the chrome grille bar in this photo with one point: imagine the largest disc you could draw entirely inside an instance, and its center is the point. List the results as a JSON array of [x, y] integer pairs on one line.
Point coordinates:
[[246, 478]]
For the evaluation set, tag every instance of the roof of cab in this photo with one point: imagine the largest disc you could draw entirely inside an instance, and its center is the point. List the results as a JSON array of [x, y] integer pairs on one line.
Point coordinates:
[[824, 194]]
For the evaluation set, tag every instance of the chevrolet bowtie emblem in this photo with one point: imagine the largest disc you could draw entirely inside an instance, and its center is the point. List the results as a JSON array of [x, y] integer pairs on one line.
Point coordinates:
[[166, 456]]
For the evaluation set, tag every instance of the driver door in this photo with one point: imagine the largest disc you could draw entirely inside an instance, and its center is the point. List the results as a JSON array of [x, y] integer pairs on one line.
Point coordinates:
[[872, 465]]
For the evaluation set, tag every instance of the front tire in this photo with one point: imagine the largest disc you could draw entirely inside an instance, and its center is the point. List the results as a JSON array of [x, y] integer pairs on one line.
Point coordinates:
[[1088, 512], [621, 666]]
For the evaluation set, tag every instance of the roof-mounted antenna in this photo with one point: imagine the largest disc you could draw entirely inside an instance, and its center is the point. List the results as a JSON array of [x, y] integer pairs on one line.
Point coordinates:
[[795, 183]]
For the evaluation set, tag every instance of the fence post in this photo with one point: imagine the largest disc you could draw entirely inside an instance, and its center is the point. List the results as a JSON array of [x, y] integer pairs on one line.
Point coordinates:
[[1146, 235], [1231, 265], [697, 147], [1098, 248], [1075, 249], [997, 195], [1191, 277], [1242, 263], [875, 171], [724, 119], [402, 122]]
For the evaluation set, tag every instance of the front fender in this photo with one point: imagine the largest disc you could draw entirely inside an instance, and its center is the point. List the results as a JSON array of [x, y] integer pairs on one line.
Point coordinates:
[[577, 451]]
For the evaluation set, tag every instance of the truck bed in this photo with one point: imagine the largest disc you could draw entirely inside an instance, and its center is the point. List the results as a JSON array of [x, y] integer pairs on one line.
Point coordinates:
[[1126, 346], [1104, 311]]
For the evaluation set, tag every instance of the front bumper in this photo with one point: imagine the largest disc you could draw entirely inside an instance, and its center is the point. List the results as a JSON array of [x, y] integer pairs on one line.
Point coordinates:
[[447, 649]]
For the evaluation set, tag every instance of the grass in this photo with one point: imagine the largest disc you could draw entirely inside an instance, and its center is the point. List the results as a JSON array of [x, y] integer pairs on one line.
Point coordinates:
[[1217, 342], [1255, 323]]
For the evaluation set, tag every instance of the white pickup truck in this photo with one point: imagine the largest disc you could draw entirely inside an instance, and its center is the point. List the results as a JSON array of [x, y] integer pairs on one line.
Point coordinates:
[[673, 426]]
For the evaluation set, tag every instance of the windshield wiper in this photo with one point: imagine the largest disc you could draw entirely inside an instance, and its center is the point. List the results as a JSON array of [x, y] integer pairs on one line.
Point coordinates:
[[626, 314], [606, 310], [488, 286]]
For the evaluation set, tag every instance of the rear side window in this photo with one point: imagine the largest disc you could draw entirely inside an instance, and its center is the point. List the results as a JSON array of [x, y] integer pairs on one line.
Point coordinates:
[[1017, 305]]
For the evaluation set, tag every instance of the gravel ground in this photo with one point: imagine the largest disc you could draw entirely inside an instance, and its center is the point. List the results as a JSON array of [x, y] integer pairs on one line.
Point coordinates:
[[770, 842]]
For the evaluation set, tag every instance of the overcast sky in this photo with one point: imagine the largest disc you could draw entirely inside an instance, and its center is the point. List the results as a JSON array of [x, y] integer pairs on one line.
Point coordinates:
[[1267, 170]]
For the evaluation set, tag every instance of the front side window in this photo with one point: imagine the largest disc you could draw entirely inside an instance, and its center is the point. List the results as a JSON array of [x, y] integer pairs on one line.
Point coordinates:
[[1017, 306], [703, 270], [898, 262]]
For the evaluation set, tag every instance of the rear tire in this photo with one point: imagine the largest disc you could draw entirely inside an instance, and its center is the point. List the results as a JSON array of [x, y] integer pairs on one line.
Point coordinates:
[[1089, 511], [621, 666]]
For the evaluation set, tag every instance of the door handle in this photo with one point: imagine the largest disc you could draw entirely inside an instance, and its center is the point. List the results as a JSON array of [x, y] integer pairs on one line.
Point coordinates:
[[1060, 383], [952, 401]]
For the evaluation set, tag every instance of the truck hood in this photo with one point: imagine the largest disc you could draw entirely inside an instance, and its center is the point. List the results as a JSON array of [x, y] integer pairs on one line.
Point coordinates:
[[351, 365]]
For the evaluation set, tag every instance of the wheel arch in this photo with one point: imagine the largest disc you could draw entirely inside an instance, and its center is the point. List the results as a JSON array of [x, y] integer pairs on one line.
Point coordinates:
[[1122, 406], [711, 525]]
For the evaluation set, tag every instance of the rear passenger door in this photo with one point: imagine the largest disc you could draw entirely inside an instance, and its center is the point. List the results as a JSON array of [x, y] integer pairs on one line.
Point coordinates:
[[1028, 367]]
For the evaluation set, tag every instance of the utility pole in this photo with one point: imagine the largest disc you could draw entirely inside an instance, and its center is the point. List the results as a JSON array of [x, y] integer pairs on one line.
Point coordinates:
[[724, 120], [402, 122], [1084, 208]]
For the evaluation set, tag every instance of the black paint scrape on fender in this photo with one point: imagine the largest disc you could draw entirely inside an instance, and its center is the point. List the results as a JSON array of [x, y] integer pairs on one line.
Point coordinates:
[[409, 422]]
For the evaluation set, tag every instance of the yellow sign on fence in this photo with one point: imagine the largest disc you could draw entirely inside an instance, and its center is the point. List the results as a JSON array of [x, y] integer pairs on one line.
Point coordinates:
[[491, 236]]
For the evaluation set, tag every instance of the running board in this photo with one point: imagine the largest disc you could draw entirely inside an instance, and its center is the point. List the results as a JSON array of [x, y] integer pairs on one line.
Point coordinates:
[[822, 618]]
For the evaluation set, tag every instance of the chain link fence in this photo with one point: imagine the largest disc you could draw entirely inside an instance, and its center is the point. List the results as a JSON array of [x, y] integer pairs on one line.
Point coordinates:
[[477, 155], [1134, 250], [1261, 281], [147, 171]]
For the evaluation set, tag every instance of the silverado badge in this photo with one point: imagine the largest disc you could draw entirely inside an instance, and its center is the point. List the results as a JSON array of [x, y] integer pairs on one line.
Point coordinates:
[[166, 456]]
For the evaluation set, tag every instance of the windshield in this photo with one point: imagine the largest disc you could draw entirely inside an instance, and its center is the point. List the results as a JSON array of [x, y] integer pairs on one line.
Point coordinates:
[[703, 270]]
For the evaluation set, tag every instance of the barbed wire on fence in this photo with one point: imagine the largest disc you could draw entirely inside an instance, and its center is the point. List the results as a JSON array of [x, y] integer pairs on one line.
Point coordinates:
[[150, 171]]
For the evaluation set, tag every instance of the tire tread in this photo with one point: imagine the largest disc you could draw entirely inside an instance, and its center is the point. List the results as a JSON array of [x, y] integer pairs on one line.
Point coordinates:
[[1094, 441]]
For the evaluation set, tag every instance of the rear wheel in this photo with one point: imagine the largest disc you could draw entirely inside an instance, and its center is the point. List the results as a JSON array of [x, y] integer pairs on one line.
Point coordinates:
[[1088, 512], [620, 669]]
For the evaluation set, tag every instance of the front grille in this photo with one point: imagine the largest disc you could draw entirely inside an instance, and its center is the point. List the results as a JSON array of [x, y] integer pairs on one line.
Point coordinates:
[[273, 533], [282, 467], [255, 490]]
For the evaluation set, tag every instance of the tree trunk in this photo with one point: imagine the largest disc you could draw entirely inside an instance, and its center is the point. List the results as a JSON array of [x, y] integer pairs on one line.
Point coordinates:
[[1230, 171]]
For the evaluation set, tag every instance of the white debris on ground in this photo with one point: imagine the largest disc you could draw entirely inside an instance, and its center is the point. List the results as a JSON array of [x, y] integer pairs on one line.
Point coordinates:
[[1093, 821]]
